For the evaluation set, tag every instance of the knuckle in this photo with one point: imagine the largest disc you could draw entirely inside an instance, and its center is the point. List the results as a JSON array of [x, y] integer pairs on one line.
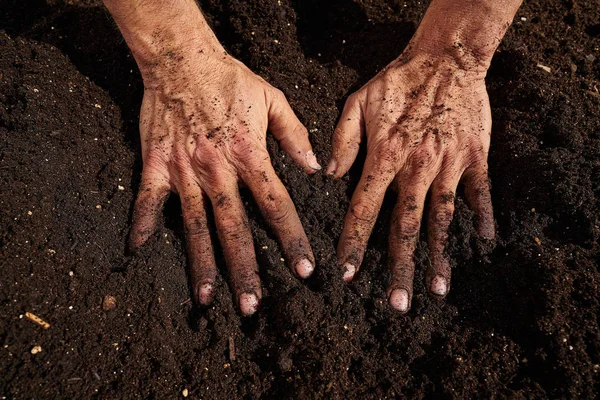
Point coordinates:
[[276, 209], [206, 158], [278, 93], [442, 216], [232, 228], [424, 159], [196, 227], [409, 227], [244, 150], [364, 210], [353, 99]]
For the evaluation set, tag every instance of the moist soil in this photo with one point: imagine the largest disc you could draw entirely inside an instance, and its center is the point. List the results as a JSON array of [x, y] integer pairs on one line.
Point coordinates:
[[521, 321]]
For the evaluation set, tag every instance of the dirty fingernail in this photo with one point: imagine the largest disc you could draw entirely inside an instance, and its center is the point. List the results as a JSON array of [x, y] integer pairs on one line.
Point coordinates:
[[304, 268], [399, 300], [204, 293], [439, 285], [349, 271], [312, 160], [248, 303], [331, 167]]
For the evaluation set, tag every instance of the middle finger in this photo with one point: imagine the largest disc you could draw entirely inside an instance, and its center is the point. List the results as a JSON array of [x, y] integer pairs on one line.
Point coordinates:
[[237, 243]]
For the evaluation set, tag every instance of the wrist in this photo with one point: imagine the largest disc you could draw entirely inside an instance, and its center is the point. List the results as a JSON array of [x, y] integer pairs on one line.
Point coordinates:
[[463, 32], [160, 35]]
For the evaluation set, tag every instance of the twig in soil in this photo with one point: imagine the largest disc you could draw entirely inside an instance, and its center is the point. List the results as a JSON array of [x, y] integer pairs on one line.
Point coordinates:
[[185, 301], [37, 320], [231, 349]]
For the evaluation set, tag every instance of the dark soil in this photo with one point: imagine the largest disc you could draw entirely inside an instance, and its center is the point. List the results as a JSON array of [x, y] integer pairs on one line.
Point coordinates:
[[522, 320]]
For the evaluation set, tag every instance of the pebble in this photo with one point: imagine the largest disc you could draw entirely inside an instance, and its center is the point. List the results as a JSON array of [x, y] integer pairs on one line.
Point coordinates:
[[185, 393], [109, 303], [36, 349], [120, 187]]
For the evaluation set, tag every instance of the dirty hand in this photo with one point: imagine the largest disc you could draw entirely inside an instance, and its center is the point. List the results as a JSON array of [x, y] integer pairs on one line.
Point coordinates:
[[427, 122], [203, 125]]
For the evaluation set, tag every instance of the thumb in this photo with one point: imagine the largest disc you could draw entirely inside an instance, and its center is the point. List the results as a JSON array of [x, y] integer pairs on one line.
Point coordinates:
[[346, 138], [291, 134]]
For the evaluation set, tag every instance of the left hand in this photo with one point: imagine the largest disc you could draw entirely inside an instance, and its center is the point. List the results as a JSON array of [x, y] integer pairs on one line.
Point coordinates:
[[427, 122]]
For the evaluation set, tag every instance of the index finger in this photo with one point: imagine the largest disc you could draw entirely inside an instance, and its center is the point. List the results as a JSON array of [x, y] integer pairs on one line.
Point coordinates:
[[362, 214]]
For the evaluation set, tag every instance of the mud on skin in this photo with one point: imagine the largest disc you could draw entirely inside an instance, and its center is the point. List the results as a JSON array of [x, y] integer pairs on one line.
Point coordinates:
[[521, 319]]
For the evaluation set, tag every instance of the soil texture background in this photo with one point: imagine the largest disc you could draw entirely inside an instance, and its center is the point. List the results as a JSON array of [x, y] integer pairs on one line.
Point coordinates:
[[522, 319]]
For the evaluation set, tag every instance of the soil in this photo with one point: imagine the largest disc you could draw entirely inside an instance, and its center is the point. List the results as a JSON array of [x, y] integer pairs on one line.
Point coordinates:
[[522, 319]]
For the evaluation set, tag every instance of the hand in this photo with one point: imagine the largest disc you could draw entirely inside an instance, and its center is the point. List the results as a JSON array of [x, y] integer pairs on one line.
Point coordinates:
[[427, 124], [203, 124]]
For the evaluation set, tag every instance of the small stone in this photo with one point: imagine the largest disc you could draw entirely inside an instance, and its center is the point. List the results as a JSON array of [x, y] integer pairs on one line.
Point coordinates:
[[29, 213], [109, 303], [98, 206], [120, 187], [185, 393], [36, 349], [523, 19], [97, 106]]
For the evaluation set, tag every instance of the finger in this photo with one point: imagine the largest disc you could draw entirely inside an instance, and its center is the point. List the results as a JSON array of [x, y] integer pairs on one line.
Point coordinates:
[[362, 214], [346, 138], [404, 234], [238, 246], [479, 198], [154, 190], [278, 209], [441, 211], [291, 134], [203, 269]]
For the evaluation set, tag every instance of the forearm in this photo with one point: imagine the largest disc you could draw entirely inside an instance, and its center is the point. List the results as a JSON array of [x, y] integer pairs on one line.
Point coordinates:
[[159, 29], [467, 31]]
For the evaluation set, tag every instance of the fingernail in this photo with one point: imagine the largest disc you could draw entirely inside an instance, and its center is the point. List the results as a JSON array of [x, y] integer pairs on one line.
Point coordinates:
[[438, 285], [331, 167], [304, 268], [349, 271], [312, 160], [204, 293], [399, 300], [248, 303]]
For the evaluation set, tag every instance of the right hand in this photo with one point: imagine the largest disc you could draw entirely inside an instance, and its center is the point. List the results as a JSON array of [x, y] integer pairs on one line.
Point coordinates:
[[203, 130]]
